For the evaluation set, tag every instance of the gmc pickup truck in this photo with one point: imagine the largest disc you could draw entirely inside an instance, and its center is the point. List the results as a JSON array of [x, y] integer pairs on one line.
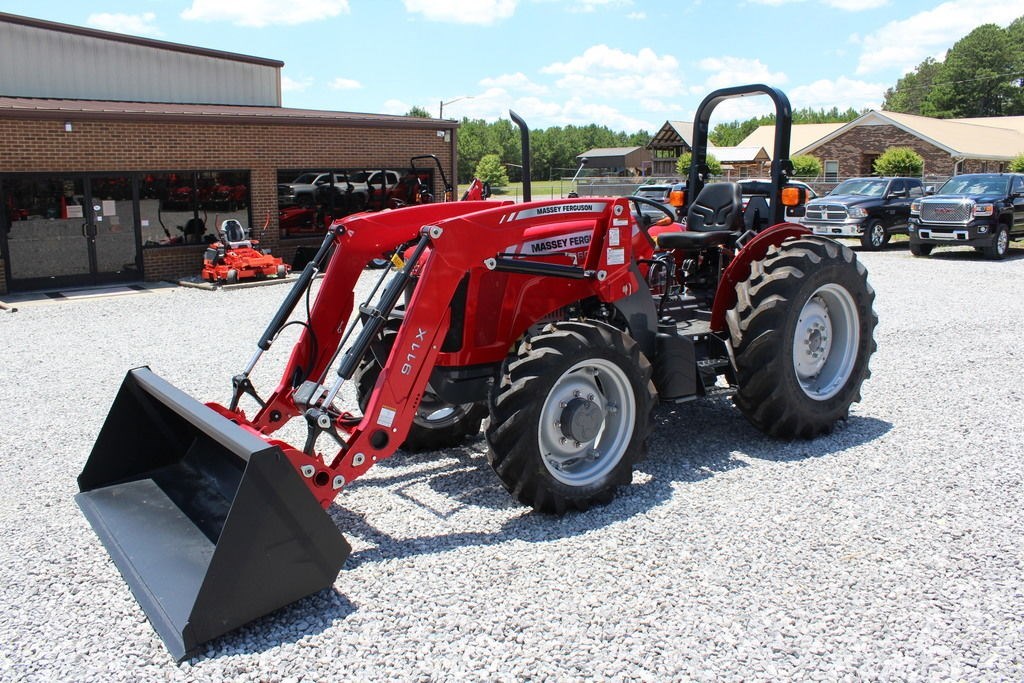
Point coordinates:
[[981, 210], [870, 209]]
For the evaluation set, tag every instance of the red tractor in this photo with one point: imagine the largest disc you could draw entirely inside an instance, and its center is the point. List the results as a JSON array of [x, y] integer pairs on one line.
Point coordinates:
[[237, 257], [562, 323]]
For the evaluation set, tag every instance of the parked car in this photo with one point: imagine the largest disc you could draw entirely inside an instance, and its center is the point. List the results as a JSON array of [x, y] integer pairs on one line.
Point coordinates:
[[661, 193], [981, 210], [869, 209], [303, 190], [750, 187]]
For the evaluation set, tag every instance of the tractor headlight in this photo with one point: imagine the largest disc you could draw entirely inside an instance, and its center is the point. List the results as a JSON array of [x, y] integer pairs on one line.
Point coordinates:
[[858, 212], [915, 206], [983, 209]]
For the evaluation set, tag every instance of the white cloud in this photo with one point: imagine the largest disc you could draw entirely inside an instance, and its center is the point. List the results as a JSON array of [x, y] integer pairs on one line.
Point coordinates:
[[846, 5], [607, 59], [517, 81], [344, 84], [260, 13], [637, 16], [481, 12], [842, 93], [295, 85], [585, 6], [134, 24], [906, 43], [856, 5], [729, 71], [397, 107]]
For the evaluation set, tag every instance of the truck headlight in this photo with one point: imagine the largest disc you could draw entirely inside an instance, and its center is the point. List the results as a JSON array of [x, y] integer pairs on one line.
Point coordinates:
[[858, 212], [915, 206], [983, 209]]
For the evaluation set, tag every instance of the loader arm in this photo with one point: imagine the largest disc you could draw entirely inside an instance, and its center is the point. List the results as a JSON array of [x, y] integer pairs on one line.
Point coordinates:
[[356, 240], [469, 243]]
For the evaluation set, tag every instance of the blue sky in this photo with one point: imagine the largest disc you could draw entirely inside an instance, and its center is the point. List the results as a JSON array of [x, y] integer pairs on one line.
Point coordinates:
[[627, 64]]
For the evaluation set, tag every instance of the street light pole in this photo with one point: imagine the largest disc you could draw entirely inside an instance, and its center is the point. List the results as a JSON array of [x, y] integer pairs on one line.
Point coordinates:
[[440, 109]]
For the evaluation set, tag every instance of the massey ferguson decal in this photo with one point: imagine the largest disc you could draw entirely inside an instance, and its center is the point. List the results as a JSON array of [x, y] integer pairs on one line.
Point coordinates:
[[557, 209], [555, 243]]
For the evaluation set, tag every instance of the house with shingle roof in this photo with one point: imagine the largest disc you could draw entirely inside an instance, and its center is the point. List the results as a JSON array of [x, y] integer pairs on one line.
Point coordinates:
[[948, 146]]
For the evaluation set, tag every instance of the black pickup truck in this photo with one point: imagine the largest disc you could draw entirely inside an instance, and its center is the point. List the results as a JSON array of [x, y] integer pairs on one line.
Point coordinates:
[[870, 209], [980, 210]]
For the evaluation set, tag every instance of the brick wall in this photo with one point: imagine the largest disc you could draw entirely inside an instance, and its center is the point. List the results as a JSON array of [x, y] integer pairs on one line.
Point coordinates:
[[119, 146], [855, 148]]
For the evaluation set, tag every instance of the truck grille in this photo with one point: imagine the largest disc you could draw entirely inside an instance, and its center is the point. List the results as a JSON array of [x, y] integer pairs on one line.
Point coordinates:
[[946, 211], [825, 212]]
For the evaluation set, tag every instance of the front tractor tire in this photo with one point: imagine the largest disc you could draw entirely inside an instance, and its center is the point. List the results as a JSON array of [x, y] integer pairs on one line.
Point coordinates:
[[802, 333], [571, 417], [437, 424]]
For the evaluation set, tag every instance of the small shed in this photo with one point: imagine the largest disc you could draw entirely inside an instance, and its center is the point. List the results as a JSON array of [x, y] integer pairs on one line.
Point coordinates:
[[618, 160]]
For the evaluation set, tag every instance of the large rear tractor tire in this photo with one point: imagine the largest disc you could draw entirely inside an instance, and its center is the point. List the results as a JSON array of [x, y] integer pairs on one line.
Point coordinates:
[[437, 424], [572, 417], [802, 333]]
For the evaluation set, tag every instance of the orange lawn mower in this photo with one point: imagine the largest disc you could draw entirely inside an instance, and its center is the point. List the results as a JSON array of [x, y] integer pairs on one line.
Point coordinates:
[[237, 257]]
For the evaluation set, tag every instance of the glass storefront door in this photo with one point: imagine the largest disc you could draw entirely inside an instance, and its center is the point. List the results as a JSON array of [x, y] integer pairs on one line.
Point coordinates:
[[69, 230]]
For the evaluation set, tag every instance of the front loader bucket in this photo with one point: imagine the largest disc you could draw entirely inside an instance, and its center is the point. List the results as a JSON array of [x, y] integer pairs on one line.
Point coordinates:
[[210, 526]]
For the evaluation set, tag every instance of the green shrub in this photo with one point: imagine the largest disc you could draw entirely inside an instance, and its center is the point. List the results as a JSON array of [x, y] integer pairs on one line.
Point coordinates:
[[683, 165], [899, 161], [806, 166]]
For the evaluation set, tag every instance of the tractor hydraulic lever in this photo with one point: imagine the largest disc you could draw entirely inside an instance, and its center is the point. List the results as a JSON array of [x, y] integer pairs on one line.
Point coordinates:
[[318, 417], [241, 383]]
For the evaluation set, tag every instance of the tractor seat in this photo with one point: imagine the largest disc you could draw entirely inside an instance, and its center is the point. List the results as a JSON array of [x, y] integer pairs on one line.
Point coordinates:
[[758, 214], [714, 219], [233, 234]]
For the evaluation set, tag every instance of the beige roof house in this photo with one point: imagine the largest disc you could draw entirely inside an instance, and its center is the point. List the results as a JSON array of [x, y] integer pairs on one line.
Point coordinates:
[[802, 134]]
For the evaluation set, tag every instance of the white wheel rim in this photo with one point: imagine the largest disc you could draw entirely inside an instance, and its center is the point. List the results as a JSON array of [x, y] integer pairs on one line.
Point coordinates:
[[602, 391], [1003, 241], [825, 342], [877, 235]]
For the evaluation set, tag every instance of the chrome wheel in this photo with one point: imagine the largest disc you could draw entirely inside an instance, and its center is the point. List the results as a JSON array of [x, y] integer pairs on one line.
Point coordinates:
[[825, 342], [587, 422]]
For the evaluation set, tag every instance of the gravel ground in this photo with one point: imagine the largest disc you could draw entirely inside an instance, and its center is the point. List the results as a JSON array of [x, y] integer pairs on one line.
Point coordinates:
[[892, 549]]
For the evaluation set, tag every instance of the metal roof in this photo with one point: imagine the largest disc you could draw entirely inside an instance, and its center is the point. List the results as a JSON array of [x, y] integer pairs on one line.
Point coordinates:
[[134, 40], [803, 134], [673, 134], [28, 108]]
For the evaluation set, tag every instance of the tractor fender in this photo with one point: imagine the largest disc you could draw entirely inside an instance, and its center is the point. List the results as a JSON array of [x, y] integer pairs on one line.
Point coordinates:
[[738, 269]]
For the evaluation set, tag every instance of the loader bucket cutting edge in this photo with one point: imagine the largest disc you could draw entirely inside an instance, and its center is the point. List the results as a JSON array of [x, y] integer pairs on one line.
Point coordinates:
[[210, 526]]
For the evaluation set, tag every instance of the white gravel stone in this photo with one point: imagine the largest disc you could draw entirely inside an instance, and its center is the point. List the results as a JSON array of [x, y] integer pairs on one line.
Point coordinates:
[[892, 549]]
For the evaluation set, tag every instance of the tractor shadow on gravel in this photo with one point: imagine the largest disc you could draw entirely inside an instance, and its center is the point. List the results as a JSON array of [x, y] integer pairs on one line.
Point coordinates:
[[689, 443]]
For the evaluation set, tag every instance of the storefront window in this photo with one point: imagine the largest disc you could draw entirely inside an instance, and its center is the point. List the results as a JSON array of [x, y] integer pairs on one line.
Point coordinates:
[[308, 201], [186, 207]]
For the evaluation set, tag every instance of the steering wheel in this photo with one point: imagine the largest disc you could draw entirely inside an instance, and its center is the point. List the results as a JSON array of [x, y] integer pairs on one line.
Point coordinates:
[[646, 220]]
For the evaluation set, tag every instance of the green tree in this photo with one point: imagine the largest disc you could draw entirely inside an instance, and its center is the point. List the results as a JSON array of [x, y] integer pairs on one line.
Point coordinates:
[[1017, 164], [491, 170], [911, 91], [683, 164], [979, 77], [899, 161], [419, 112], [806, 166]]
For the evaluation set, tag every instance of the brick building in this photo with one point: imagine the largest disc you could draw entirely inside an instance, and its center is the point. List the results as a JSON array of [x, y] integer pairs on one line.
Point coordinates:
[[948, 146], [130, 183]]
